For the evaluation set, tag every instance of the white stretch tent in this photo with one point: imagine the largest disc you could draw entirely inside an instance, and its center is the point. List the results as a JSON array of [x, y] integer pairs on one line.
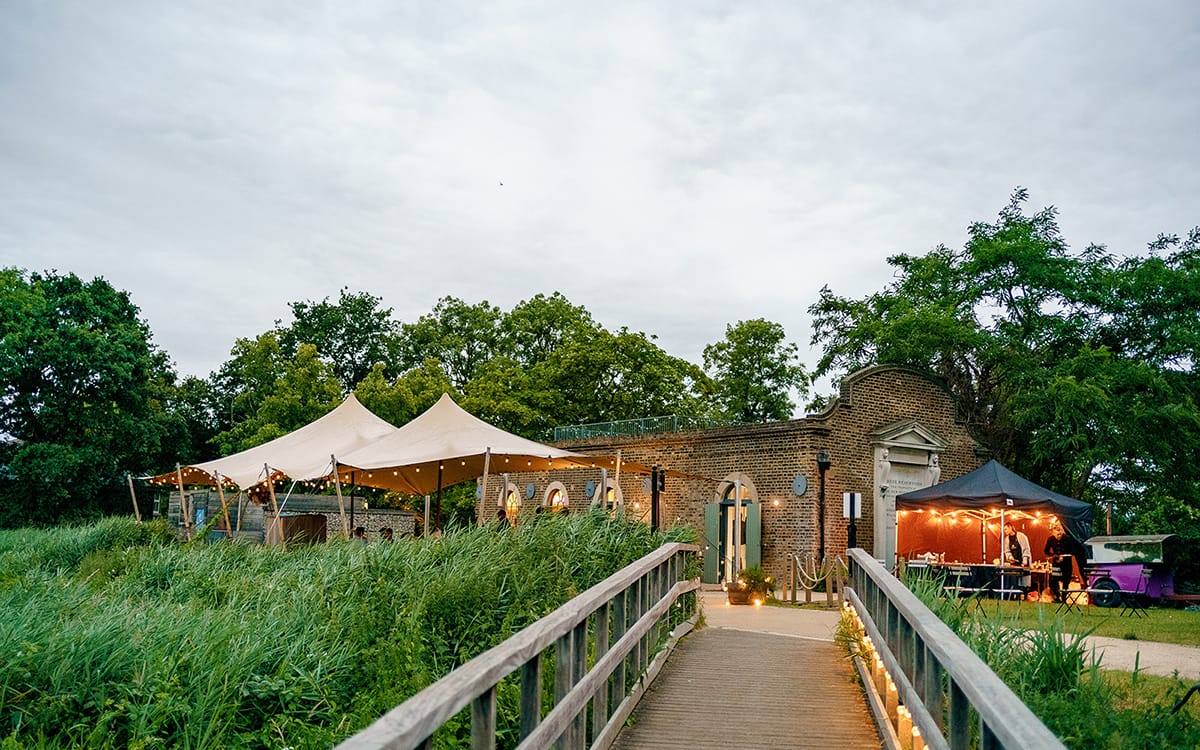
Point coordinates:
[[301, 455], [446, 445]]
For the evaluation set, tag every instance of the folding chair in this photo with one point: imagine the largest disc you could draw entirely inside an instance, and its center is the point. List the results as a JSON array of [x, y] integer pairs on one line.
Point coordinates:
[[956, 575], [959, 583], [1132, 601], [1070, 597]]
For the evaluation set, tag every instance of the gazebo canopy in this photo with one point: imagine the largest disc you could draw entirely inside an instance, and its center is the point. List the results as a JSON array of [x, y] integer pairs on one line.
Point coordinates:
[[993, 487], [301, 455]]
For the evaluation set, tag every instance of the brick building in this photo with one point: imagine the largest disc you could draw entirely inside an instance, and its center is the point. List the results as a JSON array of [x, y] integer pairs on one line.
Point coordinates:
[[890, 430]]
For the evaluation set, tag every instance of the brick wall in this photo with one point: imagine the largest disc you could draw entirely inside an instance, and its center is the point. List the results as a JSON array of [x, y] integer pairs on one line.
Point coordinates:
[[768, 457]]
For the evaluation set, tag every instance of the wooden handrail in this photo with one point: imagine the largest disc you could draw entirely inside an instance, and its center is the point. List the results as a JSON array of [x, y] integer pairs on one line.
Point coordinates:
[[656, 582], [930, 664]]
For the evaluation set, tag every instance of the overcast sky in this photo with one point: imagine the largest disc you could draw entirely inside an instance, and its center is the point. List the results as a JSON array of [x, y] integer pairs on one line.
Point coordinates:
[[672, 167]]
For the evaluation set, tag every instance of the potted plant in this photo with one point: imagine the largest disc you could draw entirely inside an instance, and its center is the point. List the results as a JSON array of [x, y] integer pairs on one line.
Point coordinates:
[[753, 585]]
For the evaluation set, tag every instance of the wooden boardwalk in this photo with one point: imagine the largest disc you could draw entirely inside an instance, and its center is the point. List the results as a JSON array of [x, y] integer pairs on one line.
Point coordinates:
[[735, 688]]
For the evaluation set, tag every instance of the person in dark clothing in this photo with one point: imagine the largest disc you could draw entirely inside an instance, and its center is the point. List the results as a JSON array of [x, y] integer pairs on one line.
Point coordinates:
[[1060, 548]]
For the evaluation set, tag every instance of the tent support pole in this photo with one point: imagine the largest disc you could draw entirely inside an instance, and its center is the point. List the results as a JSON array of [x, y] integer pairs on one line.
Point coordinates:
[[183, 505], [241, 510], [487, 464], [275, 505], [224, 505], [618, 481], [337, 484], [439, 498], [137, 512]]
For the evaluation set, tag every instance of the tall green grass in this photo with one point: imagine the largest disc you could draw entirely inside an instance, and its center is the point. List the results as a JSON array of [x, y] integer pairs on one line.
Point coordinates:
[[1055, 673], [115, 636]]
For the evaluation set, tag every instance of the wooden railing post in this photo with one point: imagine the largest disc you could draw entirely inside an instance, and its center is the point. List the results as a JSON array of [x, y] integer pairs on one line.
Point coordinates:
[[578, 670], [531, 695], [960, 718], [483, 721], [620, 620], [563, 654], [600, 698]]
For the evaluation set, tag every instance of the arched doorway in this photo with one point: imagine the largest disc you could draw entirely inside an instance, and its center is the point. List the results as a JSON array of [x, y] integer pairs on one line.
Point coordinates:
[[722, 527], [610, 498]]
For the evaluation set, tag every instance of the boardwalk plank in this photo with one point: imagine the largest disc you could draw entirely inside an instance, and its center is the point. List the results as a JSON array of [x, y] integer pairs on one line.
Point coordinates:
[[736, 689]]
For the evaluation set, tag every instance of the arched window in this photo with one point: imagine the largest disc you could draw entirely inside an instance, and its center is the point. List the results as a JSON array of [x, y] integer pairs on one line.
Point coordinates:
[[510, 500], [555, 499]]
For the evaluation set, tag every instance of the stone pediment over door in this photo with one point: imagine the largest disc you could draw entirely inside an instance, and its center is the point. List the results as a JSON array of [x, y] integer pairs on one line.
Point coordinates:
[[908, 442], [906, 459]]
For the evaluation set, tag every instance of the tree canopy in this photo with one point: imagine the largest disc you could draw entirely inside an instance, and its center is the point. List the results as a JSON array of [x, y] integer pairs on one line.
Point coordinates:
[[84, 392], [1076, 369], [754, 371]]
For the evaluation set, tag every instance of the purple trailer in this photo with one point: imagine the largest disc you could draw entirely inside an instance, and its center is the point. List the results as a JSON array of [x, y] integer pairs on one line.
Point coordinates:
[[1129, 566]]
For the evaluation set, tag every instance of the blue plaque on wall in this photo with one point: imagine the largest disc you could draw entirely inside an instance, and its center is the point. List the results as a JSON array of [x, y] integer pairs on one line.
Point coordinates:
[[529, 490], [589, 489], [799, 484]]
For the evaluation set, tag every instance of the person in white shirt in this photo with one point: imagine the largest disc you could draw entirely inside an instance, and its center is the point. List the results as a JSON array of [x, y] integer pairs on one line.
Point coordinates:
[[1017, 552]]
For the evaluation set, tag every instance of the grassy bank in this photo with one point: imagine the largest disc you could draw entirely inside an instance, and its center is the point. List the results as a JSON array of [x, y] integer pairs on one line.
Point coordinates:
[[1162, 624], [114, 635], [1044, 660]]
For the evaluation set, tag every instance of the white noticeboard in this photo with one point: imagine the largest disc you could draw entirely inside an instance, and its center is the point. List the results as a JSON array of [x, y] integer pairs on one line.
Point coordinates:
[[847, 499]]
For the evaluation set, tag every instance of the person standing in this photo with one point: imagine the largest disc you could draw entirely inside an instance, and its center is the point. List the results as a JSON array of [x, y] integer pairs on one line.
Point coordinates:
[[360, 535], [1017, 552], [1060, 552]]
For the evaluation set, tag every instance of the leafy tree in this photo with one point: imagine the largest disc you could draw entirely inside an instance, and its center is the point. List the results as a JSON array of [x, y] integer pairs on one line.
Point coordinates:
[[503, 393], [535, 328], [601, 376], [459, 336], [406, 396], [754, 371], [201, 415], [352, 335], [83, 393], [1076, 369], [305, 390], [247, 378]]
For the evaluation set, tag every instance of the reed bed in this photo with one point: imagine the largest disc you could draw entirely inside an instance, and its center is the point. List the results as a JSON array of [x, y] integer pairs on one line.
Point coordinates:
[[114, 635]]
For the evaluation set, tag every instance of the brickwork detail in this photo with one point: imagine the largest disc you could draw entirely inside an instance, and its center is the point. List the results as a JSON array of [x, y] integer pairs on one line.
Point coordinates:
[[771, 455]]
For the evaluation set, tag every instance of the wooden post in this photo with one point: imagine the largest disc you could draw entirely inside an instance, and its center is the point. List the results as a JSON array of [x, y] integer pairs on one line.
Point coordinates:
[[618, 482], [275, 505], [337, 485], [224, 504], [183, 505], [241, 509], [488, 516], [136, 511], [438, 509]]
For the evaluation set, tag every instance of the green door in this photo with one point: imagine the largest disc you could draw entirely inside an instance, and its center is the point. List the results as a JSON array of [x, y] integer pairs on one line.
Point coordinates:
[[712, 535], [753, 535]]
